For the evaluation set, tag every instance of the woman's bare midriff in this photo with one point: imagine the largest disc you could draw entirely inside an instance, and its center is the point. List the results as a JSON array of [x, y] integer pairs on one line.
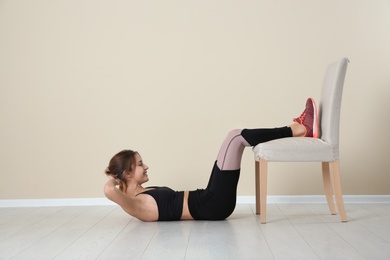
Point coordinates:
[[186, 212]]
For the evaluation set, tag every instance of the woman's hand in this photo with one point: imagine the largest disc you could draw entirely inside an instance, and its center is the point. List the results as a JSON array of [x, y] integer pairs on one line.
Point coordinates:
[[110, 177], [115, 183], [111, 185], [112, 181]]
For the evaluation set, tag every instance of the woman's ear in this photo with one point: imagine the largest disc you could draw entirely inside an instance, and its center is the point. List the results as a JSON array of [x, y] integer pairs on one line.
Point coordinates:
[[127, 175]]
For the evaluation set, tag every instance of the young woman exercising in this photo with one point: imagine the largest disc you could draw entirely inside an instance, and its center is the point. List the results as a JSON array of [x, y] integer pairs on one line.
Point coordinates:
[[127, 173]]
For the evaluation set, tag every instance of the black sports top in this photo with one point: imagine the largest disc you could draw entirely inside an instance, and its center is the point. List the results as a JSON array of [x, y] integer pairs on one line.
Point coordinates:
[[169, 202]]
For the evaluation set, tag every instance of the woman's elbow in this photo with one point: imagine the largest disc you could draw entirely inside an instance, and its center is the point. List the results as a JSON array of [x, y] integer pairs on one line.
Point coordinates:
[[109, 191]]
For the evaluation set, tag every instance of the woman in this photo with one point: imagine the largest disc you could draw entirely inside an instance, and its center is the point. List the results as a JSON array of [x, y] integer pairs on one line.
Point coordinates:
[[127, 173]]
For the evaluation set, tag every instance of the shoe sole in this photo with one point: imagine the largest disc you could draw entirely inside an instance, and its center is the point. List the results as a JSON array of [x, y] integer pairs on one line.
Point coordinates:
[[315, 123]]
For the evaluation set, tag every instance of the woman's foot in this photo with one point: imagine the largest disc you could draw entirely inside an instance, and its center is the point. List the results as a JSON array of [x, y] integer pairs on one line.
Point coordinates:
[[308, 119]]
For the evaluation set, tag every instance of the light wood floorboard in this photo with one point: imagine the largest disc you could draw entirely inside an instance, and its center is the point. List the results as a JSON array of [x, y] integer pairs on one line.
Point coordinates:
[[293, 231]]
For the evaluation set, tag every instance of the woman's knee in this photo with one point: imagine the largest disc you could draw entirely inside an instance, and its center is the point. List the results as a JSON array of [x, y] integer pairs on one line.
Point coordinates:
[[233, 133]]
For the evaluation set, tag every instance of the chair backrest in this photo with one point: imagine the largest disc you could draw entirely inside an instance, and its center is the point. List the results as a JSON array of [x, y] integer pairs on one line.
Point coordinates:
[[330, 103]]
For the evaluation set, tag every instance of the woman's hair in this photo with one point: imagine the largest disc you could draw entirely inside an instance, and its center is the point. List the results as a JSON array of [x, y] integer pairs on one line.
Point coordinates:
[[119, 163]]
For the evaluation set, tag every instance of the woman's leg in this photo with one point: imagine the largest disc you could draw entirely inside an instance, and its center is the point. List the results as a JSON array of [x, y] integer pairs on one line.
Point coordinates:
[[230, 153], [218, 200]]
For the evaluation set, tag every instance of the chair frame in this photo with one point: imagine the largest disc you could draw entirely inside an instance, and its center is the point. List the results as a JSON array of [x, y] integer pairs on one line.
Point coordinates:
[[331, 182]]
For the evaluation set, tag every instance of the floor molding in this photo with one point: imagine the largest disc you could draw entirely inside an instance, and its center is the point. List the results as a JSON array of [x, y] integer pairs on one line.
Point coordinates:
[[318, 199], [54, 202], [240, 200]]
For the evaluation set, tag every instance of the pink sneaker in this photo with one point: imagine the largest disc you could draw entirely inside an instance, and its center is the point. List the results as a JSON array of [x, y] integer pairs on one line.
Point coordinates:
[[309, 119]]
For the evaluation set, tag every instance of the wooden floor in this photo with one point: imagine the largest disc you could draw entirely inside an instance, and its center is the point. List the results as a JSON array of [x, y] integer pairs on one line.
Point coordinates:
[[293, 231]]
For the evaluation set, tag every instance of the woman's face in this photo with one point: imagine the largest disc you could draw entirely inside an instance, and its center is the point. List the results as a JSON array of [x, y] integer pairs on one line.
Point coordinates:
[[140, 170]]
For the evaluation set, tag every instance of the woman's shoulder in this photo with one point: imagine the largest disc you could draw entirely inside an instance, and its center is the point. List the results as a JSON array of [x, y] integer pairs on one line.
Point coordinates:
[[141, 207], [157, 188]]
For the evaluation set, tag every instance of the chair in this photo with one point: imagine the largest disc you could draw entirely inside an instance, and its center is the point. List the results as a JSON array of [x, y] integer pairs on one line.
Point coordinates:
[[304, 149]]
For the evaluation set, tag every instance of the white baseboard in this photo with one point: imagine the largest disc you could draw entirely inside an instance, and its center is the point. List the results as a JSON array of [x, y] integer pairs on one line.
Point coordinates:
[[317, 199], [54, 202], [240, 200]]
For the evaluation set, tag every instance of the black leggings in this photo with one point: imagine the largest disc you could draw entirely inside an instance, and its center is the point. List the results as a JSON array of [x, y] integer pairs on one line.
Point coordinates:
[[218, 200]]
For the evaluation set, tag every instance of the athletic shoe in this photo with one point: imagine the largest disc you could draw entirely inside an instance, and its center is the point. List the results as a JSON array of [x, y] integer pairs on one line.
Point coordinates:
[[309, 119]]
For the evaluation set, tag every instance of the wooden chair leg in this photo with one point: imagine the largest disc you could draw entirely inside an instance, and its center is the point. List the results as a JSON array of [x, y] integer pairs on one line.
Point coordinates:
[[263, 189], [328, 187], [257, 180], [335, 171]]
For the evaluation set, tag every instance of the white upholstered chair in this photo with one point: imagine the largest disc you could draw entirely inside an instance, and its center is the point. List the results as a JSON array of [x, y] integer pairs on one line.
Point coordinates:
[[324, 149]]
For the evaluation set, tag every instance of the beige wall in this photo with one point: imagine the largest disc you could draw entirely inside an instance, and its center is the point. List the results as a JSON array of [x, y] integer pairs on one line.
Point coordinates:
[[81, 80]]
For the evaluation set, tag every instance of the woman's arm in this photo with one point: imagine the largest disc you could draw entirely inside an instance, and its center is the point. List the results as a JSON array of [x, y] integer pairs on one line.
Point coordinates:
[[122, 199]]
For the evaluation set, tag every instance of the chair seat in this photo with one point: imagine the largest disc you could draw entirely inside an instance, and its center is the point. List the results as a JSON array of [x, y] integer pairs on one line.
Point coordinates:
[[296, 149]]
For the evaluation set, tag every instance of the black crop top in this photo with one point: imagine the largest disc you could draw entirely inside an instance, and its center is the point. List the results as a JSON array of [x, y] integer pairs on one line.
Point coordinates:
[[169, 202]]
